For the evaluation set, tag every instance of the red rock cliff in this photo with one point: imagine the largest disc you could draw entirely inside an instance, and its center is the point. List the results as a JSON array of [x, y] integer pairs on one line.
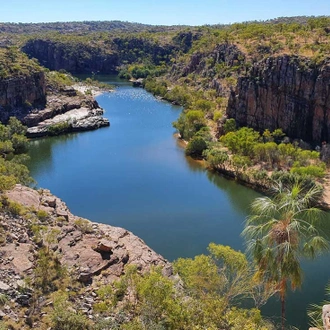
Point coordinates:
[[285, 92]]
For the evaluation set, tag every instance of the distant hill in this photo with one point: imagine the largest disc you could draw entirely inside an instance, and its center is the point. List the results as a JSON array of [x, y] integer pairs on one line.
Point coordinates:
[[130, 27], [83, 27]]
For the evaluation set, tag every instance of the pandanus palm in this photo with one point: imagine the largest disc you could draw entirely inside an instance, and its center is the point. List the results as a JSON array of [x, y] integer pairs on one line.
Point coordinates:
[[281, 230]]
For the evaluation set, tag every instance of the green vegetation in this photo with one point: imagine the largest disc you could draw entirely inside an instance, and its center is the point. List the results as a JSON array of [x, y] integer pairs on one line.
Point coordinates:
[[64, 318], [283, 229], [213, 287], [13, 144], [59, 128], [59, 79], [15, 63]]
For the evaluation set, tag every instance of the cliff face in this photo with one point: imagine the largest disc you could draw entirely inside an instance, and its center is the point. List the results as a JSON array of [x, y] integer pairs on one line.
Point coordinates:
[[71, 57], [18, 93], [285, 92]]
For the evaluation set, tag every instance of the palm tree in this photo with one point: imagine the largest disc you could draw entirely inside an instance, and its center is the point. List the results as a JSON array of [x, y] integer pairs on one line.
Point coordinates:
[[281, 230]]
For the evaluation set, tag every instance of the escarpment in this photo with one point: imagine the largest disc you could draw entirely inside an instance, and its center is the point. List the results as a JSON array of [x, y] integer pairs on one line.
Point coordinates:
[[105, 56], [74, 58], [287, 92]]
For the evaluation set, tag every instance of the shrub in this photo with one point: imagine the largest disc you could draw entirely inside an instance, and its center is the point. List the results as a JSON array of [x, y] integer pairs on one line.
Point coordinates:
[[229, 125], [84, 225], [15, 208], [216, 157], [196, 146], [42, 215], [217, 115], [64, 317], [312, 170], [59, 128], [241, 141], [3, 299]]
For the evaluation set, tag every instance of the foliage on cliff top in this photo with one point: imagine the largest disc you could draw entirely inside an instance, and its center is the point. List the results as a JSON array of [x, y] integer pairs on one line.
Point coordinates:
[[15, 63]]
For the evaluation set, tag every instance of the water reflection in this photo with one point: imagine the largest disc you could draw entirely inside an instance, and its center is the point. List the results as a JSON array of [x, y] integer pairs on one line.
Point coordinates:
[[42, 150], [134, 174]]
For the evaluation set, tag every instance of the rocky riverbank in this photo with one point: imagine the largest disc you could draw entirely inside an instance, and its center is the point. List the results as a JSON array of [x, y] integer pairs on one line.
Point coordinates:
[[94, 254], [67, 111]]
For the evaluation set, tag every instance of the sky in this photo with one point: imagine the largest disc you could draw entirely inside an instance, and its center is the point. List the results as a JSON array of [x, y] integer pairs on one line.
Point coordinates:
[[161, 12]]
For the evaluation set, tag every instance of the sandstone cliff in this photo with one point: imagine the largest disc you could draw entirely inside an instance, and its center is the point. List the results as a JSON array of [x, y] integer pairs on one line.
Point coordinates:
[[74, 58], [19, 93], [285, 92]]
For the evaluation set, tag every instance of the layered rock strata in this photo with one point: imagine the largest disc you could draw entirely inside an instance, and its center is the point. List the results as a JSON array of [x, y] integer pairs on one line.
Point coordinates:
[[287, 92], [65, 112], [19, 93]]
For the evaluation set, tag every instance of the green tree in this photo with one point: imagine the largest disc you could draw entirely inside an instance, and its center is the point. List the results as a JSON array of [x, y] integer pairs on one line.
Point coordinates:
[[196, 146], [64, 317], [229, 125], [281, 230], [241, 141]]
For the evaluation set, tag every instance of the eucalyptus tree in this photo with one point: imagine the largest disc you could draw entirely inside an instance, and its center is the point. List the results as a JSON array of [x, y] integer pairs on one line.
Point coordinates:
[[281, 230]]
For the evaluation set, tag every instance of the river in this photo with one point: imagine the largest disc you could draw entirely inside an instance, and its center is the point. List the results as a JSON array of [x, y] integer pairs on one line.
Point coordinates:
[[134, 174]]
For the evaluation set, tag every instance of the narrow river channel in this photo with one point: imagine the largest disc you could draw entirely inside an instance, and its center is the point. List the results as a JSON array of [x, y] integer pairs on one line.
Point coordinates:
[[134, 174]]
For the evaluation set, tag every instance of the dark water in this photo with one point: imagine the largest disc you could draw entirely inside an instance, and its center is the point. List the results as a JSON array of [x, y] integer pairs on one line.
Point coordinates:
[[134, 174]]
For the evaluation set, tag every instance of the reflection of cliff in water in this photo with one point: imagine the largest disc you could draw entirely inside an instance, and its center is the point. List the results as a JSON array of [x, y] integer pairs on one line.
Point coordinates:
[[240, 197], [42, 152]]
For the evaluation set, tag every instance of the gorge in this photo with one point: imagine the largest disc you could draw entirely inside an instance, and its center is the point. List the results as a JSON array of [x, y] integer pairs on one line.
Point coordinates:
[[269, 77], [145, 184]]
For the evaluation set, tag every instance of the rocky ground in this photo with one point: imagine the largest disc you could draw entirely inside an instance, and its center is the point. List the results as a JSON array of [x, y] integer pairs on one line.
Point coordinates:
[[95, 254], [67, 111]]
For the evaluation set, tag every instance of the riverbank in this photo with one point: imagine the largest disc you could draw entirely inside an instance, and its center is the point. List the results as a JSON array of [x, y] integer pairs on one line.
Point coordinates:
[[66, 111], [92, 90], [249, 177], [95, 255]]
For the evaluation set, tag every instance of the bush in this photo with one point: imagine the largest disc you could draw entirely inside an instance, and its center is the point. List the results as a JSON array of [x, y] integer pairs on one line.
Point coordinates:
[[229, 125], [216, 157], [312, 170], [242, 141], [64, 317], [59, 128], [196, 146], [15, 208], [217, 115], [42, 215], [84, 225], [190, 123]]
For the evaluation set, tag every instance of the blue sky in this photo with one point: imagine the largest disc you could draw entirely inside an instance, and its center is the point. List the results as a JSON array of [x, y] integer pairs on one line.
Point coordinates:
[[167, 12]]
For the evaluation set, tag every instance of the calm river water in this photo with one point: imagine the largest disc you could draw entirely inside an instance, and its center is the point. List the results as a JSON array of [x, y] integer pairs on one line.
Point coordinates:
[[134, 174]]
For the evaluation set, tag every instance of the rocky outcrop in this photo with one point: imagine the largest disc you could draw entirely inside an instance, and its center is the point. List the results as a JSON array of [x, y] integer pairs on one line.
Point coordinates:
[[86, 248], [93, 254], [285, 92], [19, 93], [224, 61], [65, 112], [227, 55]]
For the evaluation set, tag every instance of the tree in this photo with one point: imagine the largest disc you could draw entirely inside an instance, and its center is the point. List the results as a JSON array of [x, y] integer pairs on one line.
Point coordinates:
[[241, 141], [196, 146], [281, 230]]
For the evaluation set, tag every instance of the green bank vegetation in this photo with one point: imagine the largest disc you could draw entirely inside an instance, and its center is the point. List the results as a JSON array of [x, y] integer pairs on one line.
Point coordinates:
[[13, 145]]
